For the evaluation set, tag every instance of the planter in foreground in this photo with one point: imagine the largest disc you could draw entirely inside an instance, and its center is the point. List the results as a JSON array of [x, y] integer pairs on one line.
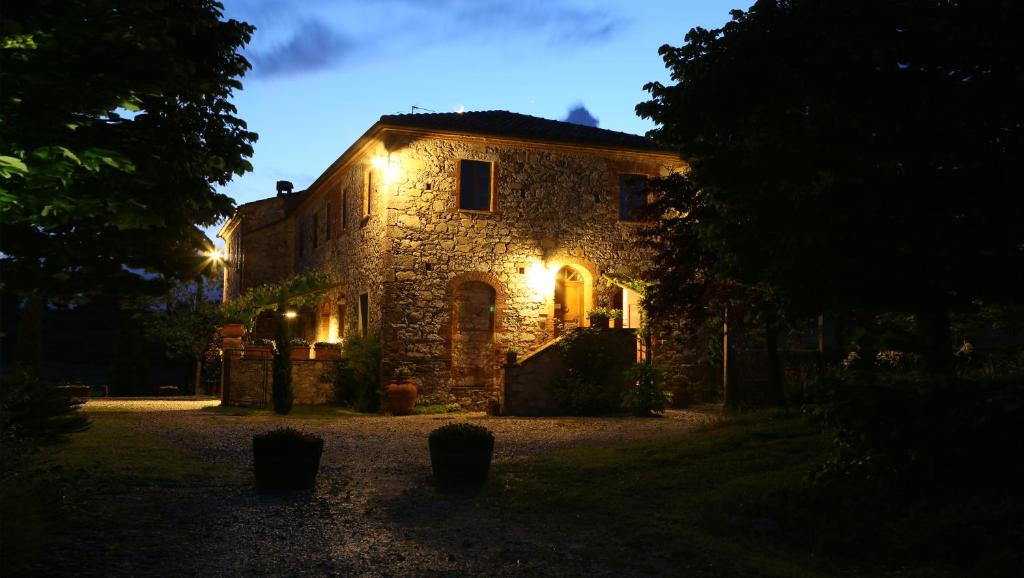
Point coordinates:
[[286, 459], [460, 455]]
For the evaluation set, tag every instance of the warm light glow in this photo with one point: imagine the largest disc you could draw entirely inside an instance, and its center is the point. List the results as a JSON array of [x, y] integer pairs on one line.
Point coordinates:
[[291, 314], [388, 164], [540, 280], [214, 255]]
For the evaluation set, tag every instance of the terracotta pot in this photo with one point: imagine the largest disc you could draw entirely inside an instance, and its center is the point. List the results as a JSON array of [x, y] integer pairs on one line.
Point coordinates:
[[599, 322], [327, 353], [232, 330], [300, 352], [401, 396]]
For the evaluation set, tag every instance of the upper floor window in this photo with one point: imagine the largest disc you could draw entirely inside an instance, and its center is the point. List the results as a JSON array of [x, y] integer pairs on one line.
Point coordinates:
[[316, 229], [344, 209], [301, 241], [368, 197], [632, 197], [329, 233], [476, 185]]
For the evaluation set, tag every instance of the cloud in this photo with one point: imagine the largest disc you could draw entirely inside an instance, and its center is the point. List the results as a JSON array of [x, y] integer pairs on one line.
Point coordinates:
[[559, 20], [580, 115], [313, 45]]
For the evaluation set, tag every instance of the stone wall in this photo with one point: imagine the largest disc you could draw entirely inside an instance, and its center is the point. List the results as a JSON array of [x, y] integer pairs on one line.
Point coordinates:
[[413, 251], [248, 381], [258, 242], [527, 382]]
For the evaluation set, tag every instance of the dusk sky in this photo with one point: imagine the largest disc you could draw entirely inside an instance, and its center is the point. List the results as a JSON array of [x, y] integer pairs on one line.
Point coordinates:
[[325, 70]]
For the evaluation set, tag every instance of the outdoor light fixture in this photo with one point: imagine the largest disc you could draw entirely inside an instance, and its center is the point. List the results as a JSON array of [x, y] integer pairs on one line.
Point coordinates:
[[387, 164], [291, 314], [540, 280]]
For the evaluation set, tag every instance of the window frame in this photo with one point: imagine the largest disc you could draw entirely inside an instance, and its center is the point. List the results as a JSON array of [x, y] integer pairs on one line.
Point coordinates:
[[619, 206], [493, 200]]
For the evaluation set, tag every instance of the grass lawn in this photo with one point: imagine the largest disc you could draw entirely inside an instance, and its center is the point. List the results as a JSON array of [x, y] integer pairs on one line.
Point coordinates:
[[732, 500], [109, 458]]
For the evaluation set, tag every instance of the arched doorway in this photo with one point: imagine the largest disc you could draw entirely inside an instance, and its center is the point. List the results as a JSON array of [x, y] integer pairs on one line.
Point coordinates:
[[473, 312], [569, 285]]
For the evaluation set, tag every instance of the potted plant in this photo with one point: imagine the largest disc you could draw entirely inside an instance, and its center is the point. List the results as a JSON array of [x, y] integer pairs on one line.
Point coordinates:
[[511, 356], [286, 459], [599, 316], [401, 392], [258, 348], [460, 454], [327, 350], [233, 328], [300, 348]]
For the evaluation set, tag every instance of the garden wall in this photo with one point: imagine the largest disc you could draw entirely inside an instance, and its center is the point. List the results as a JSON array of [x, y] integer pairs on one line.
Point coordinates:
[[248, 382]]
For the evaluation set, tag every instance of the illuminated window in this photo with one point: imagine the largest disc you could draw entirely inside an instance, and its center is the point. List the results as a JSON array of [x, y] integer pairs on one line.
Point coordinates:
[[476, 185], [632, 197]]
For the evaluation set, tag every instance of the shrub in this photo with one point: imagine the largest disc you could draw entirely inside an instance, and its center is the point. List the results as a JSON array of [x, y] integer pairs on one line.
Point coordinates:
[[326, 345], [592, 384], [285, 437], [298, 342], [33, 414], [643, 393], [286, 458], [462, 437], [357, 374], [905, 431]]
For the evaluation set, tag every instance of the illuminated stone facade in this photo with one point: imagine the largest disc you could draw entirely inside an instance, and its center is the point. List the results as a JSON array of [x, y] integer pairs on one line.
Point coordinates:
[[449, 290]]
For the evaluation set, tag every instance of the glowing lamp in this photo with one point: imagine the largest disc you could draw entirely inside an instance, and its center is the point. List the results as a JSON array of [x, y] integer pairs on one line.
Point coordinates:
[[291, 314], [540, 280]]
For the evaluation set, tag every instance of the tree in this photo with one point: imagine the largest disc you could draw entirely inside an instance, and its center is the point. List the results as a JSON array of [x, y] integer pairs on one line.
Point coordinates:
[[846, 154], [184, 327], [115, 127]]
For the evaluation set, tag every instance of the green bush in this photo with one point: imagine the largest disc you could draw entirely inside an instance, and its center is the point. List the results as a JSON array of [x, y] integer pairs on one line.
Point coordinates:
[[643, 393], [462, 437], [357, 374], [286, 437], [592, 384], [34, 414], [906, 431]]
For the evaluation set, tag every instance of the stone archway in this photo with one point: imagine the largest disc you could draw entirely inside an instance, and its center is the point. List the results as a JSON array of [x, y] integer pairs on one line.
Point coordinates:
[[474, 315]]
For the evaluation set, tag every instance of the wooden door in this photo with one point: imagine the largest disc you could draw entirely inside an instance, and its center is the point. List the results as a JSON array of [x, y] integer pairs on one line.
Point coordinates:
[[568, 300]]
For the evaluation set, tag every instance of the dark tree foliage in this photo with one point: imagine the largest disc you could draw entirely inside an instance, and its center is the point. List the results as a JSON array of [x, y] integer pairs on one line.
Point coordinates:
[[282, 364], [115, 126], [846, 154]]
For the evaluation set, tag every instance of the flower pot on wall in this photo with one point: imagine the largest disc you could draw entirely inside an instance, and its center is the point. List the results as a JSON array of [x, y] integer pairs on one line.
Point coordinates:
[[300, 352], [327, 352], [232, 330], [401, 396], [257, 352]]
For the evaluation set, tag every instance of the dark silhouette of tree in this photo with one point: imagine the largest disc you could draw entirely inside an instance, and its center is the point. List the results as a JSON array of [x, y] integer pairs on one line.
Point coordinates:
[[846, 154], [116, 126]]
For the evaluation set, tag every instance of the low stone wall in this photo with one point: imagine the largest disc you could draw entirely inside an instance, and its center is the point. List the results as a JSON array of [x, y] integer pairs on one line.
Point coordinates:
[[527, 382], [248, 381]]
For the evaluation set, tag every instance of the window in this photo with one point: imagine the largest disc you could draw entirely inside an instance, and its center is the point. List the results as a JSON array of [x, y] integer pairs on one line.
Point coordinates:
[[316, 229], [330, 223], [344, 209], [368, 197], [341, 320], [475, 185], [364, 313], [632, 197]]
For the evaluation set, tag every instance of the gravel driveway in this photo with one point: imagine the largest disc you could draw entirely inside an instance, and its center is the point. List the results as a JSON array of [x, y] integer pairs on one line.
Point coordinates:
[[373, 512]]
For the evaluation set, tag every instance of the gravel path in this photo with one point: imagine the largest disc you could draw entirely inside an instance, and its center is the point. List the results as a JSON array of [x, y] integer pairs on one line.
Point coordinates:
[[373, 512]]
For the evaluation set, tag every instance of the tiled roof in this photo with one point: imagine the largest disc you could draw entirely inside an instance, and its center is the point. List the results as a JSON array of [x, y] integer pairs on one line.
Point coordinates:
[[511, 124]]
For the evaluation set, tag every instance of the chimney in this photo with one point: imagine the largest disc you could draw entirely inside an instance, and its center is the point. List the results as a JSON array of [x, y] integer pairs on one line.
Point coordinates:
[[284, 188]]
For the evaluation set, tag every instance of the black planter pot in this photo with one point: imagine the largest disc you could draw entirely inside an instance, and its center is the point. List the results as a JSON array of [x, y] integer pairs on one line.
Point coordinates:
[[290, 464], [460, 468]]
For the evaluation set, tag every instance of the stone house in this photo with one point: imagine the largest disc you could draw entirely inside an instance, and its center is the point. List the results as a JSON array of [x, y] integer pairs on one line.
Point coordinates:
[[456, 236]]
